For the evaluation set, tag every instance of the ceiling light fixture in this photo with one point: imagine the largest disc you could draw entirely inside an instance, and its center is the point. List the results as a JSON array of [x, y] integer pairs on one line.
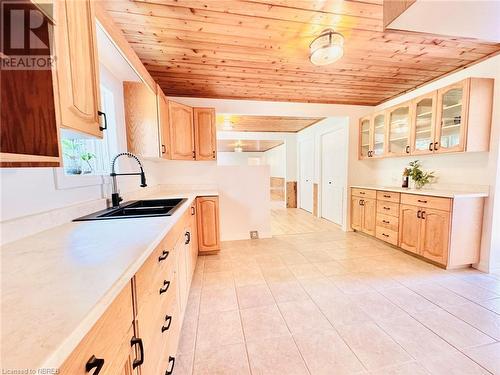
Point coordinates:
[[227, 124], [327, 48], [238, 149]]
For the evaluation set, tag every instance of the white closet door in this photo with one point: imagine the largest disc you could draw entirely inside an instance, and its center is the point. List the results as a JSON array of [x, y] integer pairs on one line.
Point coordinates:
[[306, 155], [333, 168]]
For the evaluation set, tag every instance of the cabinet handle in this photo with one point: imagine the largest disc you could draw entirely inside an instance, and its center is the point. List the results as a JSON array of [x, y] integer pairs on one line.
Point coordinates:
[[213, 154], [194, 155], [430, 146], [101, 128], [164, 288], [418, 214], [171, 360], [385, 222], [385, 235], [423, 215], [361, 202], [94, 363], [163, 149], [422, 201], [188, 237], [387, 208], [168, 320], [436, 146], [163, 255], [138, 361], [407, 149], [386, 196], [193, 211], [362, 193]]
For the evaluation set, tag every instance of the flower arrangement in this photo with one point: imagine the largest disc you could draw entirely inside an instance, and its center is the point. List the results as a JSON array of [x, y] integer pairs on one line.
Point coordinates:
[[420, 177]]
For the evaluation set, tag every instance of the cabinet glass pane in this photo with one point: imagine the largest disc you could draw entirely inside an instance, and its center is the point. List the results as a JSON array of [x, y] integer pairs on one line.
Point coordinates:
[[423, 131], [365, 137], [399, 130], [451, 120], [379, 125]]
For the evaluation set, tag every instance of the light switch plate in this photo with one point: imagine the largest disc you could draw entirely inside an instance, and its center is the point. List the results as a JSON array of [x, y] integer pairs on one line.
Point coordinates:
[[254, 235]]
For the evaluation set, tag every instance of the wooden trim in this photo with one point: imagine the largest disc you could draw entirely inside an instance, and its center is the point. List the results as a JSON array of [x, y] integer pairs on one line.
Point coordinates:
[[22, 158], [392, 9], [291, 194], [118, 39]]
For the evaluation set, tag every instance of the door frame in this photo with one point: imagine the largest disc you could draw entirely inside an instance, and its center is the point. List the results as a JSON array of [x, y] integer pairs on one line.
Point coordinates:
[[345, 198], [299, 170]]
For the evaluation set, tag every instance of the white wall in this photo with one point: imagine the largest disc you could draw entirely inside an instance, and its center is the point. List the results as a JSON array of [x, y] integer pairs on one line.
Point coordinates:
[[276, 159], [240, 158]]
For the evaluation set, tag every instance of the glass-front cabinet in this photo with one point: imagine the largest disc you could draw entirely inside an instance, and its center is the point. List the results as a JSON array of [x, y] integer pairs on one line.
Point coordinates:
[[365, 137], [398, 140], [423, 123], [451, 116], [379, 134]]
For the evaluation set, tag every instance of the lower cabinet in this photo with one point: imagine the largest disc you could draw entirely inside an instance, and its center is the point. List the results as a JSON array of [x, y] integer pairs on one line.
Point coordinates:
[[434, 235], [208, 223], [363, 214], [409, 233]]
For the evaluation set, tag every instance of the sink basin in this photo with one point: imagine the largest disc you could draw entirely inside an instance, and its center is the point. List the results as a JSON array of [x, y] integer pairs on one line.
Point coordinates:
[[136, 209]]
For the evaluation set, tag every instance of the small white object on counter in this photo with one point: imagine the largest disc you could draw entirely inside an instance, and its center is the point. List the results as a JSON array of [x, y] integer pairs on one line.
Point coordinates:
[[428, 192], [57, 283]]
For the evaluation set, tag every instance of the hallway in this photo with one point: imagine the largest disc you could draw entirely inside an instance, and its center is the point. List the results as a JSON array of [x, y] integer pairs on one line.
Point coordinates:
[[329, 302]]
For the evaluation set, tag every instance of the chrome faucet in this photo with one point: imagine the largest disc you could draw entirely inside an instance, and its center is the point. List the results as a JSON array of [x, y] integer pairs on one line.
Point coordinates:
[[115, 196]]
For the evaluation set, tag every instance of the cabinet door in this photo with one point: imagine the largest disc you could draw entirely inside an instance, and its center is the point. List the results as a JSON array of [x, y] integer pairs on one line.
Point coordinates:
[[379, 134], [398, 142], [208, 223], [451, 117], [77, 66], [365, 137], [193, 243], [434, 235], [205, 133], [141, 119], [369, 216], [163, 123], [409, 228], [356, 213], [423, 124], [182, 284], [181, 131]]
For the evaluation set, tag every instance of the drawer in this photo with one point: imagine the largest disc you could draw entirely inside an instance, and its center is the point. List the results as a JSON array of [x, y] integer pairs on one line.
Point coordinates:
[[388, 208], [105, 338], [387, 235], [365, 193], [388, 222], [437, 203], [388, 196]]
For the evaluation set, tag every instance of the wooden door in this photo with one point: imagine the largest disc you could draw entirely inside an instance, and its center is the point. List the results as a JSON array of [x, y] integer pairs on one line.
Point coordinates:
[[181, 131], [77, 66], [409, 228], [369, 216], [423, 124], [379, 134], [365, 137], [141, 119], [205, 133], [451, 124], [434, 235], [163, 123], [356, 213], [398, 130], [208, 223]]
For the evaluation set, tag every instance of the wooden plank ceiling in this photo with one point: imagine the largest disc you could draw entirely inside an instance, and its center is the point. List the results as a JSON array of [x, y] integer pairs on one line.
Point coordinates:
[[259, 49], [286, 124], [228, 145]]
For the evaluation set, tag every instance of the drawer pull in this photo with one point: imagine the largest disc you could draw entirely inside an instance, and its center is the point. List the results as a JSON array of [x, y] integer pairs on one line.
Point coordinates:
[[188, 238], [362, 192], [422, 201], [385, 235], [386, 196], [138, 361], [386, 208], [94, 363], [165, 286], [163, 255], [168, 320], [171, 360], [386, 222]]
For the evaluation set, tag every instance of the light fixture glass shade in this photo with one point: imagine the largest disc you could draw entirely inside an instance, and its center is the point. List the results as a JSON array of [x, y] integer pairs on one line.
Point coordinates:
[[227, 124], [238, 149], [327, 48]]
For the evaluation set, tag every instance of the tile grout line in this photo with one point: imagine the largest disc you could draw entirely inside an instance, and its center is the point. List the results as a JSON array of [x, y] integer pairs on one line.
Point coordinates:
[[242, 329]]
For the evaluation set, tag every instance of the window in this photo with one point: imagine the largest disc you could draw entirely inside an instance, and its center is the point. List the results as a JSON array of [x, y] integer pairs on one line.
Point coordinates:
[[87, 156]]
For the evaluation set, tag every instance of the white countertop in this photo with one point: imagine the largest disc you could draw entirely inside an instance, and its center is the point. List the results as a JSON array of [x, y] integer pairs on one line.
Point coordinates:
[[429, 192], [57, 283]]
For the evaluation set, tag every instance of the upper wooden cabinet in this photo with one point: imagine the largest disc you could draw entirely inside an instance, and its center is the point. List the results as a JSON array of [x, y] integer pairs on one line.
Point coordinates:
[[205, 133], [207, 210], [379, 134], [77, 66], [182, 145], [455, 118], [163, 123], [141, 119]]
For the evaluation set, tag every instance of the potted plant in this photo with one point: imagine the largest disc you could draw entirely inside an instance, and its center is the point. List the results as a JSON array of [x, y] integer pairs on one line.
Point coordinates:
[[87, 157], [419, 177], [71, 150]]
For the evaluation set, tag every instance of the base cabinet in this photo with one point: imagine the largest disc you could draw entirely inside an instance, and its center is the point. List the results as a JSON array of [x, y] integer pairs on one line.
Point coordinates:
[[409, 233], [363, 214], [208, 223], [434, 235]]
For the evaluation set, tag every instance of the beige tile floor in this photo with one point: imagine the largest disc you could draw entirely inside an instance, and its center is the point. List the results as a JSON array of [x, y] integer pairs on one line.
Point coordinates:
[[322, 301]]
